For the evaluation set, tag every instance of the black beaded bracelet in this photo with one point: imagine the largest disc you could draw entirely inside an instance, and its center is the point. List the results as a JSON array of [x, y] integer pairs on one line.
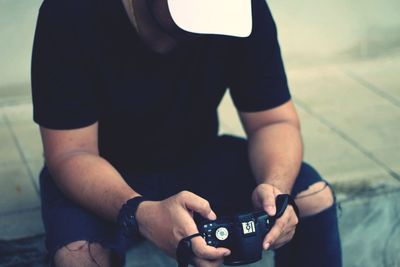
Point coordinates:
[[127, 217]]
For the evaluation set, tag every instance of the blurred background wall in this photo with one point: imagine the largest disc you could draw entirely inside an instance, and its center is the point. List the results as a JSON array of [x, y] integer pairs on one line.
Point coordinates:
[[313, 31], [310, 31]]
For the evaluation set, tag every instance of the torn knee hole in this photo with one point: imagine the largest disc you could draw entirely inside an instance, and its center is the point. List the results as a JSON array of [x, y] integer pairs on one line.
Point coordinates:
[[313, 190], [315, 199], [77, 246], [83, 251]]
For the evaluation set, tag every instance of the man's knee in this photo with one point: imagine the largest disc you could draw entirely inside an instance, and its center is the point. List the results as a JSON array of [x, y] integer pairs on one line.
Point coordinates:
[[317, 198], [82, 253]]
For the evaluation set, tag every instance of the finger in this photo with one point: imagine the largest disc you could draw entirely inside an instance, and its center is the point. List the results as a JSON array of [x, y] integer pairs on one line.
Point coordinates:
[[205, 252], [290, 217], [267, 197], [283, 232], [284, 240], [285, 224], [197, 204], [277, 230], [294, 220]]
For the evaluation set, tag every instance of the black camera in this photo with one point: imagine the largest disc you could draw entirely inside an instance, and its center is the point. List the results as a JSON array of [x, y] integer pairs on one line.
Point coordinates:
[[243, 234]]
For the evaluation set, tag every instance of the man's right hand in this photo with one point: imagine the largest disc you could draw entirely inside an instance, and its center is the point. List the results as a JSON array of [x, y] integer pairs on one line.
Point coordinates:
[[166, 222]]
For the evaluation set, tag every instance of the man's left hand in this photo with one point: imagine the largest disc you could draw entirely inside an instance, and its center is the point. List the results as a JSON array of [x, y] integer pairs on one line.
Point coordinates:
[[282, 232]]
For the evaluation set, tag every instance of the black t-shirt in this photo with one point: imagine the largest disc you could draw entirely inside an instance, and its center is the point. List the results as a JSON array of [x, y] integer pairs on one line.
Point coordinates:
[[153, 110]]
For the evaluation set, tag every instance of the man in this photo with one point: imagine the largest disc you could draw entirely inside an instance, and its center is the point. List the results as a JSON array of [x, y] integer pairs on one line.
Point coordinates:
[[126, 93]]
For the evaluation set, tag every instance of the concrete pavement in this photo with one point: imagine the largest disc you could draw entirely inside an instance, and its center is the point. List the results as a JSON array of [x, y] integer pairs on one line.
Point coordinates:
[[343, 63]]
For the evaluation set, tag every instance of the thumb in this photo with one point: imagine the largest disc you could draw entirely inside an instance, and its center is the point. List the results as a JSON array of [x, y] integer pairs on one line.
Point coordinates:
[[198, 204], [267, 197]]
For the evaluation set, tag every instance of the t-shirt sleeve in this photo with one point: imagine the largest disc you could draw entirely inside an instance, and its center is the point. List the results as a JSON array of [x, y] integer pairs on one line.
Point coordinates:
[[63, 92], [257, 78]]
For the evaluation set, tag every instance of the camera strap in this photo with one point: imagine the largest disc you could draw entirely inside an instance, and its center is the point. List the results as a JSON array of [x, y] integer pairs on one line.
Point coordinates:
[[184, 252], [282, 202]]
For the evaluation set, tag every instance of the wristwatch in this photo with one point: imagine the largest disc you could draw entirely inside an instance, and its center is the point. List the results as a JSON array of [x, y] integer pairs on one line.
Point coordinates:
[[127, 217]]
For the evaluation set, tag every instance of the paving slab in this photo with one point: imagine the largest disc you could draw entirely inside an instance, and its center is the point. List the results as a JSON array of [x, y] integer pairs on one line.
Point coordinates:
[[19, 113], [380, 75], [17, 189], [23, 252], [35, 166], [349, 170], [9, 151], [329, 89], [25, 130], [28, 138], [366, 120], [146, 254], [386, 155], [374, 127], [21, 224], [370, 231]]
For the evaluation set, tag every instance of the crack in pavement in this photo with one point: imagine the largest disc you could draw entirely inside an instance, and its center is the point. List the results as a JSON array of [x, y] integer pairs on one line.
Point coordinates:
[[348, 139]]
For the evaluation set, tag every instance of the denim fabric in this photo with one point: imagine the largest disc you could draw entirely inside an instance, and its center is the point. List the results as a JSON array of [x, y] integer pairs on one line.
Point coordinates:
[[315, 244]]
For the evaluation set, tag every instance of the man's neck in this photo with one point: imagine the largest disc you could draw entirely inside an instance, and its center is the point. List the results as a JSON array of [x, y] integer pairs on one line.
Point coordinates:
[[128, 5], [148, 30]]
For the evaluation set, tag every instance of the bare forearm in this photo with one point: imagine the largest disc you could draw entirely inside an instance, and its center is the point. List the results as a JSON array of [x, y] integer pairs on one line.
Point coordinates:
[[275, 153], [92, 182]]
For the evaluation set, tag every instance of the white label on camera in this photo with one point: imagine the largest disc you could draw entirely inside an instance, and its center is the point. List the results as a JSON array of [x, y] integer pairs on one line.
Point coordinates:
[[222, 233], [248, 227]]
